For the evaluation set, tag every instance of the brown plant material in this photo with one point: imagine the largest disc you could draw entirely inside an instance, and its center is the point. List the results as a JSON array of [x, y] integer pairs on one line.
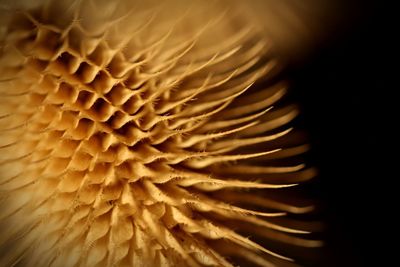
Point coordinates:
[[138, 134]]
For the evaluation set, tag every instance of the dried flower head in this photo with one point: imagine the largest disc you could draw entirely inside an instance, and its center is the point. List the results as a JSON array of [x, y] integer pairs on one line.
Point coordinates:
[[140, 134]]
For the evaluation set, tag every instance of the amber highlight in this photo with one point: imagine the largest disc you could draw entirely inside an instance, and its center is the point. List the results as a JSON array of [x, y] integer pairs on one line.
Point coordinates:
[[134, 134]]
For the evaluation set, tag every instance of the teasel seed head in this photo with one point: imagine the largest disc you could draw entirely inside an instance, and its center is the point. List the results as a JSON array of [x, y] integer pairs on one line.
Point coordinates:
[[134, 134]]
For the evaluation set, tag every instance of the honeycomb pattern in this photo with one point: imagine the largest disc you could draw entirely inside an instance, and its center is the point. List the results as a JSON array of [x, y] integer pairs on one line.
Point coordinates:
[[134, 134]]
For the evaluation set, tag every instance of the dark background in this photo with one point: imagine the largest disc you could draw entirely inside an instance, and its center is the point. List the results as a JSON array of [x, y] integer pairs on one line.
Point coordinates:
[[343, 89]]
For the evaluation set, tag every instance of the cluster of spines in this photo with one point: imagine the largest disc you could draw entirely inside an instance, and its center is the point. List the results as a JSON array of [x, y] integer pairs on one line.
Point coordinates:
[[116, 143]]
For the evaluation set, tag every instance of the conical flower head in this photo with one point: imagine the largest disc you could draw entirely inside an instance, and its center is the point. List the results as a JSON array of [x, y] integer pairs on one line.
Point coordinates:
[[134, 134]]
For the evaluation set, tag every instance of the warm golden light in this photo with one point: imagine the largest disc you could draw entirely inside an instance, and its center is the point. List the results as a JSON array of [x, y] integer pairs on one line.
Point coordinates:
[[140, 134]]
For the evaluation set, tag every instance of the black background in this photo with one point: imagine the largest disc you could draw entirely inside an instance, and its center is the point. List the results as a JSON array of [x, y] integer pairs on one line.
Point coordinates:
[[344, 91]]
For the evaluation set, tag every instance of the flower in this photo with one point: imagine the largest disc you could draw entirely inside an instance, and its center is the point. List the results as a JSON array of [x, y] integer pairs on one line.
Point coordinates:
[[134, 134]]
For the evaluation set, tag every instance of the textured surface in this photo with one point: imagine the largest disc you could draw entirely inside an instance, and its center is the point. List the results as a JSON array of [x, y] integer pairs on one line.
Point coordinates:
[[134, 134]]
